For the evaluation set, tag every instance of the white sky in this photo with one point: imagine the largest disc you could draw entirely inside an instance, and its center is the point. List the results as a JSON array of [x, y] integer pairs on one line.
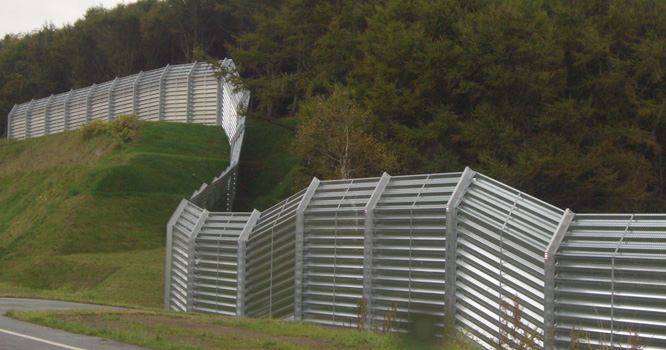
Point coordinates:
[[23, 16]]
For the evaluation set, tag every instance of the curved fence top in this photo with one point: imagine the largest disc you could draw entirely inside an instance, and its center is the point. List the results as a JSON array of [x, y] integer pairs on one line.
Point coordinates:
[[185, 93]]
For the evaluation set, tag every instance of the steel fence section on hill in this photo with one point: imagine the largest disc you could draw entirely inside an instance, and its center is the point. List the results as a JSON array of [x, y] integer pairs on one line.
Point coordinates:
[[179, 267], [205, 104], [218, 195], [189, 93], [56, 107], [98, 101], [611, 282], [502, 236], [409, 247], [216, 260], [399, 242], [269, 280], [333, 250]]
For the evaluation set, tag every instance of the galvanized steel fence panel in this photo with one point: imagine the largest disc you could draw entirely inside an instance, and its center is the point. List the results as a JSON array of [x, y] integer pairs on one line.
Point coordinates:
[[122, 97], [36, 117], [401, 240], [334, 250], [218, 195], [77, 108], [611, 281], [216, 258], [269, 280], [181, 93], [148, 95], [205, 101], [56, 107], [409, 247], [99, 101], [502, 238], [180, 255]]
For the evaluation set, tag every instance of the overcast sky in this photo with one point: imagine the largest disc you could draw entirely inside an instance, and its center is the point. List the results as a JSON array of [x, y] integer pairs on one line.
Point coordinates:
[[21, 16]]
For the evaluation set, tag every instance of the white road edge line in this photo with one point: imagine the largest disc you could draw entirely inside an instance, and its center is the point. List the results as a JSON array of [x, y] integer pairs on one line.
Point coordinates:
[[40, 340]]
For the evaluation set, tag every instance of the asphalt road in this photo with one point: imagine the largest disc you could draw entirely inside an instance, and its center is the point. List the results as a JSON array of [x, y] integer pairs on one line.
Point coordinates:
[[17, 335]]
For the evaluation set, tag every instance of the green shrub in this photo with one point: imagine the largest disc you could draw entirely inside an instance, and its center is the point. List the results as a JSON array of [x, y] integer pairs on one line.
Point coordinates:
[[122, 129], [93, 129]]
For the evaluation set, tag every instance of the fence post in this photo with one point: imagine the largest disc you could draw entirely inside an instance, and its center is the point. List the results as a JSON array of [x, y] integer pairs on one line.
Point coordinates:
[[9, 122], [298, 248], [231, 187], [368, 237], [90, 92], [188, 103], [242, 260], [169, 251], [110, 104], [191, 259], [549, 282], [451, 238], [66, 111], [135, 94], [27, 119], [221, 82], [46, 115], [160, 105]]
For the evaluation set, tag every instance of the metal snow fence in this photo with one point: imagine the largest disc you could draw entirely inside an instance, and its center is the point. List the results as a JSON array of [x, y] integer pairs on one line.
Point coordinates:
[[270, 267], [409, 247], [181, 93], [219, 195], [216, 263], [611, 281], [502, 237], [333, 250], [181, 231], [459, 247]]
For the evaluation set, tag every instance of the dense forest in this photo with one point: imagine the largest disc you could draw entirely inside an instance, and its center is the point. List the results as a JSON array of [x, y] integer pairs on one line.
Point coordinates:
[[562, 99]]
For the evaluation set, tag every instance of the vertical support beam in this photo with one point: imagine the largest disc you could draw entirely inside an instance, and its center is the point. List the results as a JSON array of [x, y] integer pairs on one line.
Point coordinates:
[[110, 104], [235, 151], [46, 115], [9, 122], [549, 295], [299, 260], [188, 106], [27, 119], [65, 121], [368, 238], [451, 237], [90, 92], [219, 108], [135, 94], [160, 106], [231, 187], [242, 262], [192, 260], [169, 252]]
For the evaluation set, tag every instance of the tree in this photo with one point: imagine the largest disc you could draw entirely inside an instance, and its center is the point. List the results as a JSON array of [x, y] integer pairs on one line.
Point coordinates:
[[333, 141]]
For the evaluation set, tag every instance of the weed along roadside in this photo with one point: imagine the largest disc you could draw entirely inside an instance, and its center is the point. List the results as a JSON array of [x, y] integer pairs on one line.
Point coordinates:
[[170, 330]]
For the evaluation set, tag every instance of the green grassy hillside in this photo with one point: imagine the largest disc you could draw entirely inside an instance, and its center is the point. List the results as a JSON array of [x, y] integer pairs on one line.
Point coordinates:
[[86, 218]]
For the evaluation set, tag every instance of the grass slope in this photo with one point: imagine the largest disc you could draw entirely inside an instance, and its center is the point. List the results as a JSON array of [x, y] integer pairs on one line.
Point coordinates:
[[86, 219]]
